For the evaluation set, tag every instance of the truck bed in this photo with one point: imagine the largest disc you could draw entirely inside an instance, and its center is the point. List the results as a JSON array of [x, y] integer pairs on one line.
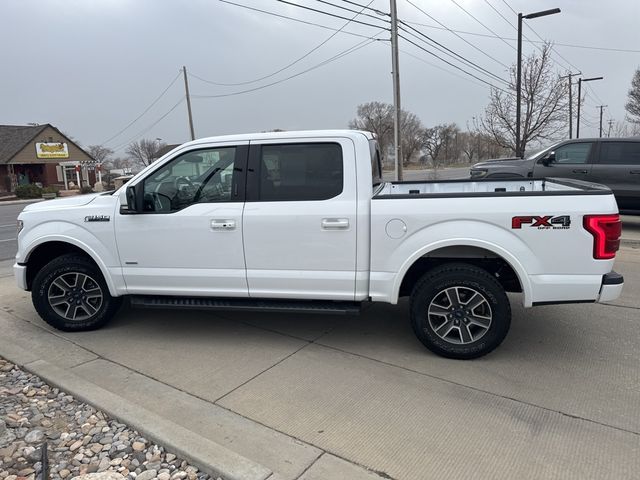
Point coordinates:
[[490, 187]]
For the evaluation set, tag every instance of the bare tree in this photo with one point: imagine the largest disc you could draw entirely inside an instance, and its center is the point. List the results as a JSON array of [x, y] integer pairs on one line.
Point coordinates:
[[145, 151], [376, 117], [633, 99], [544, 104], [436, 140], [99, 153], [411, 137]]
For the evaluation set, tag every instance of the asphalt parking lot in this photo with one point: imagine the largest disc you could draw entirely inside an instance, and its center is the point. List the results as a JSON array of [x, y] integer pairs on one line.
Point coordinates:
[[329, 397], [323, 397]]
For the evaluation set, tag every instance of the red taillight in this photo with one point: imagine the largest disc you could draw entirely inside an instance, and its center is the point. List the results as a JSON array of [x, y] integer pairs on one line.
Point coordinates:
[[606, 231]]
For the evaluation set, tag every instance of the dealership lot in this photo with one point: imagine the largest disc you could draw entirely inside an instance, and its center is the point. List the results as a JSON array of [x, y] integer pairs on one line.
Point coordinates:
[[296, 393]]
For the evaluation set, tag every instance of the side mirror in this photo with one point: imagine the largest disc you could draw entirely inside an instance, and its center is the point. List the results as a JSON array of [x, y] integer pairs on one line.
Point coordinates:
[[549, 159], [134, 198]]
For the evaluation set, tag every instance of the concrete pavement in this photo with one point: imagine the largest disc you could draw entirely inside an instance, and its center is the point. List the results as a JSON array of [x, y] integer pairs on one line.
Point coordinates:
[[321, 397]]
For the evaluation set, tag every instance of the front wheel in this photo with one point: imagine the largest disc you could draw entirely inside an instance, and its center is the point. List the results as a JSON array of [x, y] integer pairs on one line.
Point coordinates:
[[70, 294], [460, 311]]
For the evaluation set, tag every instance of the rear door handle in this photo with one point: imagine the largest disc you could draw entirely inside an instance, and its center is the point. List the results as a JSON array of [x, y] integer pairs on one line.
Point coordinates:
[[335, 223], [223, 224], [635, 172], [580, 171]]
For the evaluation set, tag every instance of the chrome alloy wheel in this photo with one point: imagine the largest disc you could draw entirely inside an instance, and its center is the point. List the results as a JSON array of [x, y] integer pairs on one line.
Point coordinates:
[[460, 315], [75, 296]]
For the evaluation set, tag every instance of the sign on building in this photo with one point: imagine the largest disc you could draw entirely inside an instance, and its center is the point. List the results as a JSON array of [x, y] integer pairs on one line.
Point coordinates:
[[52, 150]]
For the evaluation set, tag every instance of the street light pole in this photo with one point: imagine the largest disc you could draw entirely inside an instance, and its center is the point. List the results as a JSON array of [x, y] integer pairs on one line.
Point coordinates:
[[543, 13], [580, 80]]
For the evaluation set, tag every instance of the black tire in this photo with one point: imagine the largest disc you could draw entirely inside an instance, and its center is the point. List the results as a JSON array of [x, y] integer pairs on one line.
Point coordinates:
[[93, 312], [469, 335]]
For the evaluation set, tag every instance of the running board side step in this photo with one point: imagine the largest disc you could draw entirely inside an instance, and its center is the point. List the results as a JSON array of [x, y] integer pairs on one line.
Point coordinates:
[[248, 305]]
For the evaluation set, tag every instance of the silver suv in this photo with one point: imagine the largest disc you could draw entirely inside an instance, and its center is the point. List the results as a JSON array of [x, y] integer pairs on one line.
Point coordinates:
[[614, 162]]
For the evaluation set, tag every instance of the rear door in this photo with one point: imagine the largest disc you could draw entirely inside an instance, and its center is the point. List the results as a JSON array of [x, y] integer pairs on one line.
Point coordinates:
[[618, 167], [299, 221], [572, 160]]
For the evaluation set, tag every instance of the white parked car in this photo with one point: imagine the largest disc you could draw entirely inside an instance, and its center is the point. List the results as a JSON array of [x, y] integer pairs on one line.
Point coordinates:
[[302, 221]]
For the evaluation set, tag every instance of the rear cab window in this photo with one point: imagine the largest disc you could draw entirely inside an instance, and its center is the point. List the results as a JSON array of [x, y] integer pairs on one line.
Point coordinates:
[[299, 172]]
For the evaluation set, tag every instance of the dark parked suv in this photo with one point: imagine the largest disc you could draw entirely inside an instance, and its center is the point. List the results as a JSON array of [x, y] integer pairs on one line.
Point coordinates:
[[614, 162]]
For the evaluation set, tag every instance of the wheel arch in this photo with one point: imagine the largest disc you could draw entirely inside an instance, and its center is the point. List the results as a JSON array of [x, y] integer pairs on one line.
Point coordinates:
[[498, 261], [47, 249]]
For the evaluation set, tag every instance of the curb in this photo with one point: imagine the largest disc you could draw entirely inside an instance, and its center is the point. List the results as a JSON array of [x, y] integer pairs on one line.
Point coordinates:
[[212, 458]]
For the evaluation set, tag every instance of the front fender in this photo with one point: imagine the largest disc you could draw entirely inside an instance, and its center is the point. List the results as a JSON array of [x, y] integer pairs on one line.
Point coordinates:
[[99, 245]]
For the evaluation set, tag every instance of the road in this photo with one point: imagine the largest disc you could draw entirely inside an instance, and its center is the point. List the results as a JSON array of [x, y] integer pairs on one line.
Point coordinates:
[[560, 398], [8, 216]]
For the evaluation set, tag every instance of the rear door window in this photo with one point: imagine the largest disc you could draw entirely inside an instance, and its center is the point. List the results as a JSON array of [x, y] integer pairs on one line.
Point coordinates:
[[300, 171], [620, 153]]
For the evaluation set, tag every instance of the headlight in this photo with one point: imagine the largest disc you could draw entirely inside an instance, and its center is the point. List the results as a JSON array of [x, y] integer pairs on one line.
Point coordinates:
[[478, 172], [20, 226]]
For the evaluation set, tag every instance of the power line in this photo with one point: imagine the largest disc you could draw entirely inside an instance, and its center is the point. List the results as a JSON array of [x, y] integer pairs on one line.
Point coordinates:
[[122, 145], [322, 12], [354, 11], [273, 14], [453, 65], [348, 51], [555, 44], [441, 68], [299, 59], [375, 10], [448, 51], [456, 34], [145, 111], [471, 15]]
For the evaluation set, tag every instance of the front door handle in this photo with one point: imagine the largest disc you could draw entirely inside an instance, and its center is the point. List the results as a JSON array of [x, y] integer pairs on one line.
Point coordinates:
[[635, 172], [580, 171], [223, 224], [335, 223]]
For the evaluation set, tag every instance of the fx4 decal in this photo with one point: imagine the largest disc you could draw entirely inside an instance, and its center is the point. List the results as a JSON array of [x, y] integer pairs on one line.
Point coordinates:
[[544, 222]]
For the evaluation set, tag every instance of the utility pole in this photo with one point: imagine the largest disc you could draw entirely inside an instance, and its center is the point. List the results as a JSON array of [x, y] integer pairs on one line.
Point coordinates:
[[571, 101], [186, 89], [610, 127], [601, 107], [519, 87], [396, 89]]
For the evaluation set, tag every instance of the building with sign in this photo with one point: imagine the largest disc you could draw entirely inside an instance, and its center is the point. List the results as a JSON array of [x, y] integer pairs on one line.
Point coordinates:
[[42, 154]]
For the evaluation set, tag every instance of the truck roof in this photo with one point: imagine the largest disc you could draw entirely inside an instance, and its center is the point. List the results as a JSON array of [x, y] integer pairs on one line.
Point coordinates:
[[283, 135]]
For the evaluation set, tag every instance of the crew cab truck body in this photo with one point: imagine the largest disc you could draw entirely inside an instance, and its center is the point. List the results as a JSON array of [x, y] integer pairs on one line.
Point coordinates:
[[303, 221]]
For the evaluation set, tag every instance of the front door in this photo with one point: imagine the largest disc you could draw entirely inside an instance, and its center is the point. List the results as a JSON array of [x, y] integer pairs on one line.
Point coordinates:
[[571, 160], [300, 220], [188, 240]]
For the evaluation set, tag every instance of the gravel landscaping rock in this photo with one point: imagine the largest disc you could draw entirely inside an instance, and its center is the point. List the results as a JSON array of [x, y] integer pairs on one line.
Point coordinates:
[[83, 443]]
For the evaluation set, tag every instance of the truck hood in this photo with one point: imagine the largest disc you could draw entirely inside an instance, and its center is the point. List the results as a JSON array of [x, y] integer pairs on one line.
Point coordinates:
[[505, 162], [75, 201]]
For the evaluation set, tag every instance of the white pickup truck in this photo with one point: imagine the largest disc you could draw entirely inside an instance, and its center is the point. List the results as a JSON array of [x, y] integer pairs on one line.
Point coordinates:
[[302, 221]]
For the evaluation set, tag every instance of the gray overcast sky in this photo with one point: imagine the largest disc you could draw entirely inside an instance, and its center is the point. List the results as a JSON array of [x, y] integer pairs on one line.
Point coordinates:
[[90, 67]]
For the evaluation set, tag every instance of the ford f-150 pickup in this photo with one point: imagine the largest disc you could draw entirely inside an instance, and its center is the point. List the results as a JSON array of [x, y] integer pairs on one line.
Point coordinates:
[[303, 221]]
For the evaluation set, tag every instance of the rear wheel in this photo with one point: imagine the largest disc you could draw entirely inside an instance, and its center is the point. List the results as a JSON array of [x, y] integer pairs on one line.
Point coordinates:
[[460, 311], [70, 294]]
